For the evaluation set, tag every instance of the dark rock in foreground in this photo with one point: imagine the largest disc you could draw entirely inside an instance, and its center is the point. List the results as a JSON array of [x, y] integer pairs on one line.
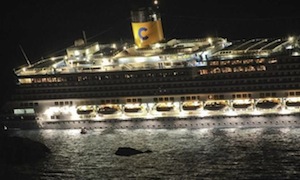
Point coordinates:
[[127, 151], [18, 150]]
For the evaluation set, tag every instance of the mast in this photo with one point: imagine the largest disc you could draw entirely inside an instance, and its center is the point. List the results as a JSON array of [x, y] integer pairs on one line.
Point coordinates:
[[84, 37], [27, 60]]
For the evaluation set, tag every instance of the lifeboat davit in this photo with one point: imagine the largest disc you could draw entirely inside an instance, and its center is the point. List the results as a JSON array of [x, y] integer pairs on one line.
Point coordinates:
[[215, 105], [267, 103], [191, 106], [106, 109], [82, 110]]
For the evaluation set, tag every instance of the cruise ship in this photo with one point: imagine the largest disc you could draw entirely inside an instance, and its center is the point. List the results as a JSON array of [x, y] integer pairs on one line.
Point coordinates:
[[206, 82]]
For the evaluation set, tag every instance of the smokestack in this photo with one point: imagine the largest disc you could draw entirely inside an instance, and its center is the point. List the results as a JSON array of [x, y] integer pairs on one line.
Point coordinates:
[[146, 26]]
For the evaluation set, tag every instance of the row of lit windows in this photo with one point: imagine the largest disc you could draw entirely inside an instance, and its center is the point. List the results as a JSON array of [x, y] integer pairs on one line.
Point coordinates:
[[63, 103], [188, 98], [216, 96], [103, 101], [293, 93], [163, 99], [145, 91], [238, 96], [29, 104], [134, 100], [232, 81], [161, 74], [245, 61], [48, 80], [105, 77], [232, 69], [262, 95]]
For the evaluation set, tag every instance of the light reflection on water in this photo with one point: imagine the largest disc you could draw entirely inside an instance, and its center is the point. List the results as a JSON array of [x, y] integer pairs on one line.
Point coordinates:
[[177, 154]]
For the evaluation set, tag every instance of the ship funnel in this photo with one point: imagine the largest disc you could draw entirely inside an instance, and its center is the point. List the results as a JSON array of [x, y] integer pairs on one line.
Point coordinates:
[[146, 26]]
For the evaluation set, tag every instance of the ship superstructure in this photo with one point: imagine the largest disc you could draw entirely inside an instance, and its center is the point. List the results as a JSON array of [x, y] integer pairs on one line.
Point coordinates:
[[159, 83]]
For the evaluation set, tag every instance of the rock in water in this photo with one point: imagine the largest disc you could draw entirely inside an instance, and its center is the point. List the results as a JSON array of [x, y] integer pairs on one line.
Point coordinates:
[[18, 150], [128, 151]]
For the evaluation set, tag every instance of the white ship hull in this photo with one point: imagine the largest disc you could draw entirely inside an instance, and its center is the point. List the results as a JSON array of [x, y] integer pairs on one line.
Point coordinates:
[[262, 121]]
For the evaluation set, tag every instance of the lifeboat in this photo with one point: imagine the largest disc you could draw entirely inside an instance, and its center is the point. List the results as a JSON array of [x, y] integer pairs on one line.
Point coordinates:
[[191, 106], [164, 107], [133, 108], [108, 109], [215, 105], [83, 110], [293, 103], [267, 103], [241, 104]]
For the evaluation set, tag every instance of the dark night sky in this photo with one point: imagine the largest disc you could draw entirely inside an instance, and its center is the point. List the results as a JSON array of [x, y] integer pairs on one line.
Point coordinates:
[[43, 27]]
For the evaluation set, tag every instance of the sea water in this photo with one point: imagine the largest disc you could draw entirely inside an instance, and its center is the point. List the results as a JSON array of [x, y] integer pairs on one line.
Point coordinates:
[[256, 153]]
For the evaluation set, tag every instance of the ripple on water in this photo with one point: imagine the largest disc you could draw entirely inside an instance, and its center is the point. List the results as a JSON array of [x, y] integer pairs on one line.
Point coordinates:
[[181, 154]]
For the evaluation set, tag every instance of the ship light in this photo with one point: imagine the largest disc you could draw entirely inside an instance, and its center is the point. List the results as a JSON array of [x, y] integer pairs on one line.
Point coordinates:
[[157, 46], [291, 38], [24, 69], [231, 113], [204, 114], [209, 40], [76, 53], [182, 114], [53, 58], [124, 117], [295, 54], [51, 110], [257, 112], [97, 47], [285, 111], [114, 46]]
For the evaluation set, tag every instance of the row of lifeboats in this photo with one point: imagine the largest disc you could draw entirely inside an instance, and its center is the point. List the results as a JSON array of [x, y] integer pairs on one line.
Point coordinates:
[[107, 109], [217, 105]]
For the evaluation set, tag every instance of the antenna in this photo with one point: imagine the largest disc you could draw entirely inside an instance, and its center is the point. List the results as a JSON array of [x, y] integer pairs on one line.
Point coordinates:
[[28, 62], [84, 37]]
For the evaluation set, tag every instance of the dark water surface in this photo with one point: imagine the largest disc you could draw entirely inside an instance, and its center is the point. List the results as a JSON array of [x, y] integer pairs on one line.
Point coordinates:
[[177, 154]]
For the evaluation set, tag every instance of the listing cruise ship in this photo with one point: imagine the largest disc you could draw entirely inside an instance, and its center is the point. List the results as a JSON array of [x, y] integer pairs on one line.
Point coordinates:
[[208, 82]]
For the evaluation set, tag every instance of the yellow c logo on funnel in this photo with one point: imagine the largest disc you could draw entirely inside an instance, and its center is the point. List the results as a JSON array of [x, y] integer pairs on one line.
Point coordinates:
[[146, 33], [140, 33]]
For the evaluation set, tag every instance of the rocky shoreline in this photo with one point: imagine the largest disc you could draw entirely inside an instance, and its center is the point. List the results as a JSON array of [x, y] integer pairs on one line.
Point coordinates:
[[18, 150]]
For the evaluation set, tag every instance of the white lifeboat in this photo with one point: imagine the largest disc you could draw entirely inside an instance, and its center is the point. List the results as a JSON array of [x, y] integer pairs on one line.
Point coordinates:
[[215, 105], [85, 109], [191, 105], [108, 109], [293, 102], [133, 108], [267, 103], [164, 107], [242, 104]]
